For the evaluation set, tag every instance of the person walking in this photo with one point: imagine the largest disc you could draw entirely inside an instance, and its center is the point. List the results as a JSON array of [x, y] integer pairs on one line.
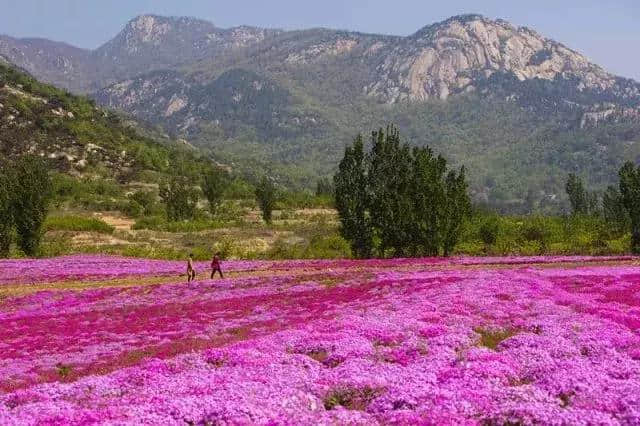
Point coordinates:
[[191, 272], [215, 265]]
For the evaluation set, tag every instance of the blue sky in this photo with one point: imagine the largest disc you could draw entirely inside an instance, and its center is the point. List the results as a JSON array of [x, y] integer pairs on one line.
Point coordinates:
[[607, 32]]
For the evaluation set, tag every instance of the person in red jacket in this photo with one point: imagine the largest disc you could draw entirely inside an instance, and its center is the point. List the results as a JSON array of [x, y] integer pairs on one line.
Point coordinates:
[[215, 265]]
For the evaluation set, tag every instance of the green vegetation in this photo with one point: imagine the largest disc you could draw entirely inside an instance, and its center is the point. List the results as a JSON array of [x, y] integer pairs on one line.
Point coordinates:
[[78, 224], [6, 212], [266, 197], [180, 198], [329, 246], [31, 193], [159, 223], [214, 185], [492, 338], [489, 234], [630, 190], [399, 201]]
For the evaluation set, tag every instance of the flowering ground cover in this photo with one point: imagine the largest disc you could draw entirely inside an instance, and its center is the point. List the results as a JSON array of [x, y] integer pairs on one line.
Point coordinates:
[[545, 340]]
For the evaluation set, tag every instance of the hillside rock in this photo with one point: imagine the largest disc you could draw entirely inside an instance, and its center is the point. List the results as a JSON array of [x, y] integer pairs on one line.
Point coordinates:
[[445, 58]]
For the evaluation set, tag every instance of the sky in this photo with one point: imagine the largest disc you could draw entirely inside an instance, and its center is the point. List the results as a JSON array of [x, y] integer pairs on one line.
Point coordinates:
[[607, 32]]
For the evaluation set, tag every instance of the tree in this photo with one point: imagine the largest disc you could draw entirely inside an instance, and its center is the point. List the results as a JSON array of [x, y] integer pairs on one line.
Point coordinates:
[[577, 195], [456, 207], [613, 209], [214, 184], [32, 191], [389, 183], [352, 201], [266, 196], [630, 192], [428, 196], [180, 198], [6, 212], [397, 200]]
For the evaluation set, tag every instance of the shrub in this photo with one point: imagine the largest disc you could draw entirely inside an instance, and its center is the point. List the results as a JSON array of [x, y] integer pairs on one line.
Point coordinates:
[[147, 200], [77, 223], [488, 230], [149, 222]]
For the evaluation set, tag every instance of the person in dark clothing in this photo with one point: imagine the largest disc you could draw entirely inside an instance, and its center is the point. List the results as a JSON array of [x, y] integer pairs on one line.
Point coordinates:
[[191, 272], [215, 265]]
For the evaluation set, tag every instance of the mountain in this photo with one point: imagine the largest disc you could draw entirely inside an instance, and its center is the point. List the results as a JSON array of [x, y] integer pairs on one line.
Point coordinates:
[[520, 110], [146, 43]]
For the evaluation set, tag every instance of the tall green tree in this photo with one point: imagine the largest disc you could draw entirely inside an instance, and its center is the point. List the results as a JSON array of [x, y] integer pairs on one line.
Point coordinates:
[[630, 191], [389, 177], [214, 184], [614, 211], [456, 207], [352, 199], [399, 201], [180, 198], [31, 193], [266, 197], [577, 195], [6, 209], [428, 197]]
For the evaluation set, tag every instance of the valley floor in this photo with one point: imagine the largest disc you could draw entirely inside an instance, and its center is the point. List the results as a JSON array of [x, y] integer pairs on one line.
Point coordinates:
[[510, 340]]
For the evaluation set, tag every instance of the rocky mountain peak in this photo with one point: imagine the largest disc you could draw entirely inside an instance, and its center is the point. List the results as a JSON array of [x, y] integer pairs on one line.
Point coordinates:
[[146, 31], [447, 57]]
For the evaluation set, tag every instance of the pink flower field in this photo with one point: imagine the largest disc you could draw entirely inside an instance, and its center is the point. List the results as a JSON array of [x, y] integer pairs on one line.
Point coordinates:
[[465, 341]]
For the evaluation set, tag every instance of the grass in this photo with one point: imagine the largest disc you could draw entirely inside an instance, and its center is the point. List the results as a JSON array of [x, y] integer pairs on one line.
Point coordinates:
[[64, 370], [77, 224], [492, 338], [158, 223]]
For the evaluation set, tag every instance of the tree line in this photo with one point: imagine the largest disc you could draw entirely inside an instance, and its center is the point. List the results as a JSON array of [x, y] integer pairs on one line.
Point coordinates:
[[620, 206], [394, 200], [181, 196]]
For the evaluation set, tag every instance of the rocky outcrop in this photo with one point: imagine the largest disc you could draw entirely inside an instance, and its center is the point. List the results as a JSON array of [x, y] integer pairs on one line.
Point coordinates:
[[446, 58]]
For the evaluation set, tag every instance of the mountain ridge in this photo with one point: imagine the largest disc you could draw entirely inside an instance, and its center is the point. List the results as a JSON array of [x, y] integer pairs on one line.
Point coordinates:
[[489, 94]]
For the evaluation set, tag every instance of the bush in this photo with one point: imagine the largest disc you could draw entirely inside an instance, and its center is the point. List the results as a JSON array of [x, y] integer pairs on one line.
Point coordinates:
[[488, 230], [149, 222], [77, 223], [331, 246]]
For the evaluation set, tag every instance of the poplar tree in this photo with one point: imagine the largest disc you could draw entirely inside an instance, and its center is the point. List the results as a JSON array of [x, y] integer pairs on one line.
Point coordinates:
[[266, 197], [214, 183], [577, 195], [399, 201], [352, 200]]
